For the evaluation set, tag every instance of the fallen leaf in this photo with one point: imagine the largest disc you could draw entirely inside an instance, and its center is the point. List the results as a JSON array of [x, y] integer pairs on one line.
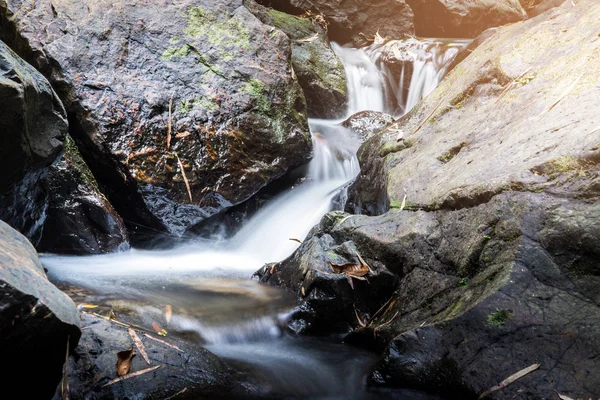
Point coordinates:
[[111, 315], [272, 269], [350, 269], [168, 313], [158, 329], [124, 361], [82, 306], [296, 240], [303, 291], [139, 345], [132, 375]]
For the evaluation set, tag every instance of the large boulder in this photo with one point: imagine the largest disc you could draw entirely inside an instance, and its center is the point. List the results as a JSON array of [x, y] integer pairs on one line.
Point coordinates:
[[486, 206], [79, 218], [320, 72], [356, 21], [33, 125], [36, 319], [162, 96], [463, 18]]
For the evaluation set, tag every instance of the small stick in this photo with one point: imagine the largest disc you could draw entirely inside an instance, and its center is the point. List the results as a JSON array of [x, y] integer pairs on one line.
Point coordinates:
[[187, 184], [169, 124], [163, 342], [510, 380], [177, 394], [65, 380], [132, 375]]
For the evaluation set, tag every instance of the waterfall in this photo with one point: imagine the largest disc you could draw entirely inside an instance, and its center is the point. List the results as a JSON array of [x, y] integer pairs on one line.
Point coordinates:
[[272, 234]]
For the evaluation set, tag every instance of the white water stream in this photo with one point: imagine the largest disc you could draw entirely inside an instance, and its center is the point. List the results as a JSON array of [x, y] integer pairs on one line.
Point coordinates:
[[194, 277]]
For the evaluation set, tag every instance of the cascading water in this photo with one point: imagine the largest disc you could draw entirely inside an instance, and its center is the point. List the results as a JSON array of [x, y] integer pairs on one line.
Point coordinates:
[[194, 278]]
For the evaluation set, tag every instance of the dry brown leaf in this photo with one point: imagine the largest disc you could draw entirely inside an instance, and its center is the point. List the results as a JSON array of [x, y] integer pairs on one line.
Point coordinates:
[[303, 291], [296, 240], [124, 361], [509, 380], [163, 342], [168, 313], [132, 375], [139, 345], [158, 329], [350, 269], [111, 315], [272, 269]]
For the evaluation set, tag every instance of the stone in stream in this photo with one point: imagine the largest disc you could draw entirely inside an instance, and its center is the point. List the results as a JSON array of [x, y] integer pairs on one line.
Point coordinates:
[[486, 213], [367, 123], [463, 18], [192, 373], [208, 73], [356, 21], [36, 320], [50, 197], [320, 72]]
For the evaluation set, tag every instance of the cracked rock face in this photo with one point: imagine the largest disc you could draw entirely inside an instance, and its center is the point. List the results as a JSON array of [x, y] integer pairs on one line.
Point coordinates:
[[237, 115], [493, 253]]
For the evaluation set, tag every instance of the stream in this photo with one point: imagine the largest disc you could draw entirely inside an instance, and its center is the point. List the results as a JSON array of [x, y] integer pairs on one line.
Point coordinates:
[[207, 283]]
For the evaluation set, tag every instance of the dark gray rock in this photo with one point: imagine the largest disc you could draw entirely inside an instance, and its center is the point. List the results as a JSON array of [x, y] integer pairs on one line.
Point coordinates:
[[36, 319], [463, 18], [355, 21], [79, 218], [193, 373], [320, 72], [33, 125], [237, 113]]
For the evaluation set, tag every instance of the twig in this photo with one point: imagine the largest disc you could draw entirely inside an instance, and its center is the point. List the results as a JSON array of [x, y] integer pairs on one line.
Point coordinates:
[[177, 394], [511, 85], [429, 116], [187, 184], [296, 240], [64, 386], [565, 94], [169, 124], [139, 344], [510, 380], [163, 342], [132, 375], [111, 320]]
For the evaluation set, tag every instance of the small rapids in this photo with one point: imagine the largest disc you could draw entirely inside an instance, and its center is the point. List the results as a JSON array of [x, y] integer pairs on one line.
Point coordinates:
[[206, 282]]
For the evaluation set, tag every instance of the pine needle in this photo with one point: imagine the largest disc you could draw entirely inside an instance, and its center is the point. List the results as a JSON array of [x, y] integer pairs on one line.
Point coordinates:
[[139, 345], [132, 375], [187, 183], [163, 342], [510, 380], [169, 124]]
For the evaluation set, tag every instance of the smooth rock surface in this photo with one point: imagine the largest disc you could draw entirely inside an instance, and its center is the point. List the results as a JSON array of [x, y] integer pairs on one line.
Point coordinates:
[[36, 319]]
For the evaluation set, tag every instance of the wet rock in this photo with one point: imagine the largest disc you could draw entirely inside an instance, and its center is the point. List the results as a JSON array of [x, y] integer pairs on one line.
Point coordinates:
[[79, 218], [237, 113], [355, 21], [463, 18], [367, 123], [320, 72], [329, 301], [193, 373], [36, 319], [489, 201], [454, 155], [33, 125]]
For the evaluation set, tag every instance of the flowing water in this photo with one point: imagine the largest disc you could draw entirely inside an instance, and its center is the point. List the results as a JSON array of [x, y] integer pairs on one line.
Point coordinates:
[[207, 283]]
